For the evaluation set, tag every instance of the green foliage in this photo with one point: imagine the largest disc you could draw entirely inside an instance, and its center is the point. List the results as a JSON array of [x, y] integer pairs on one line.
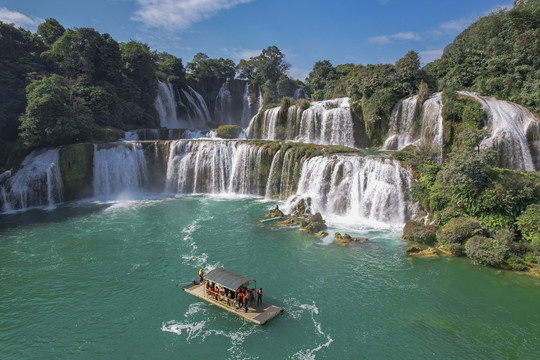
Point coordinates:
[[86, 55], [528, 223], [229, 131], [19, 57], [204, 69], [486, 251], [50, 31], [458, 230], [497, 55], [418, 232], [266, 70], [51, 117], [285, 86], [170, 69], [376, 110]]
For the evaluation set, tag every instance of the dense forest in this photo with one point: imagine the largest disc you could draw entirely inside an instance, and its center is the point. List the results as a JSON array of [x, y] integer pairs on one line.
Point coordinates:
[[61, 86]]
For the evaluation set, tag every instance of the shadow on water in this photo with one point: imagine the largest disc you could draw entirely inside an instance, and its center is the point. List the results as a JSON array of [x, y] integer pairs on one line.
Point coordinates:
[[44, 216]]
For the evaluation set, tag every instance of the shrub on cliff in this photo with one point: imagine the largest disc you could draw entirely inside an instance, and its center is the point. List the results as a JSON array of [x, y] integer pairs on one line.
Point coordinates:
[[418, 232], [528, 223], [490, 251], [456, 232], [229, 131]]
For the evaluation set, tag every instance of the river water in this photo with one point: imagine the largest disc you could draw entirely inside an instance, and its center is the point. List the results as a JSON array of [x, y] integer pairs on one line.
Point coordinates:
[[98, 280]]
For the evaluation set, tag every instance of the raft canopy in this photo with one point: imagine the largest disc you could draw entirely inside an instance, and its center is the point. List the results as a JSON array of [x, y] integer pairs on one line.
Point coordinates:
[[227, 278]]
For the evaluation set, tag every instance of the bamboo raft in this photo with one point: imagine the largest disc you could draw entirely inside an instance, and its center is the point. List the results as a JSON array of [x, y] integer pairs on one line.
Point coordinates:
[[258, 314]]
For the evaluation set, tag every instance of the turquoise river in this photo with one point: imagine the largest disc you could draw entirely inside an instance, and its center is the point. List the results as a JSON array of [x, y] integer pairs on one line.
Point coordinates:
[[98, 281]]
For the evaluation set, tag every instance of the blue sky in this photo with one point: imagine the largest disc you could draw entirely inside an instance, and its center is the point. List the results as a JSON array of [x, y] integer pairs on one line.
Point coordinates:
[[359, 32]]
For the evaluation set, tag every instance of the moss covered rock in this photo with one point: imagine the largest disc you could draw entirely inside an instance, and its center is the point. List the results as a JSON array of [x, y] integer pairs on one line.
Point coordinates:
[[346, 239], [77, 169], [314, 224], [229, 131]]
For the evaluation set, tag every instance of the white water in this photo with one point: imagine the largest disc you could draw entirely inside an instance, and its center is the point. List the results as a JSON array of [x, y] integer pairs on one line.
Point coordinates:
[[166, 106], [37, 183], [326, 122], [432, 123], [198, 115], [119, 171], [246, 107], [223, 107], [401, 124], [214, 167], [508, 126], [355, 188]]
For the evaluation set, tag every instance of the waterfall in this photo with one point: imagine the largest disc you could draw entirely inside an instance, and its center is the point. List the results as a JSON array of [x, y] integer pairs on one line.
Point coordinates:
[[37, 183], [246, 107], [213, 167], [509, 125], [118, 170], [361, 189], [401, 124], [326, 122], [198, 114], [166, 106], [223, 107]]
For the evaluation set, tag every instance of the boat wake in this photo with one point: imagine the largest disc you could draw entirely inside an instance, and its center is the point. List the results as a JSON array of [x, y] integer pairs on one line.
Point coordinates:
[[296, 310], [195, 330]]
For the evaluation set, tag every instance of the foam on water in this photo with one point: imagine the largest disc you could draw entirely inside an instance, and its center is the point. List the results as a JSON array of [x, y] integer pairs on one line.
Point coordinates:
[[296, 310]]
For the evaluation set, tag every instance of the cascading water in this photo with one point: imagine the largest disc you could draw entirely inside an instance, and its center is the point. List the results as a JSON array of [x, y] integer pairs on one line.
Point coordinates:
[[401, 124], [357, 188], [119, 170], [198, 114], [327, 122], [432, 123], [223, 107], [166, 106], [246, 107], [509, 125], [37, 183], [213, 167]]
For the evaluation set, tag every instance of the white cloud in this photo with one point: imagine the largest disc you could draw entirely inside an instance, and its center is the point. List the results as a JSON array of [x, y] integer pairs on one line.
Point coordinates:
[[179, 14], [428, 56], [238, 54], [388, 39], [20, 20]]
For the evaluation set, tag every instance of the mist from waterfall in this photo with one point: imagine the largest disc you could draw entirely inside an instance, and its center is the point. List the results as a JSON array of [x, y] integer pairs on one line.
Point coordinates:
[[119, 170]]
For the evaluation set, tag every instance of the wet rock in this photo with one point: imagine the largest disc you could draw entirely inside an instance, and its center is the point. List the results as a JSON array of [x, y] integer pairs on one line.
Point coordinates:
[[274, 213], [314, 224], [417, 251], [346, 239], [321, 234]]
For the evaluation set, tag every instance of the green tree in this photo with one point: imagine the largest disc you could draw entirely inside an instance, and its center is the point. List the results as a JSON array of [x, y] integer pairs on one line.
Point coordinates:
[[205, 69], [52, 116], [170, 68], [50, 30], [285, 86], [87, 55]]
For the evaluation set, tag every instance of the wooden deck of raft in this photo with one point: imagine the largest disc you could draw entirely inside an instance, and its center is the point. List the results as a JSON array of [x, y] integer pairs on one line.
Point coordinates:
[[258, 314]]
